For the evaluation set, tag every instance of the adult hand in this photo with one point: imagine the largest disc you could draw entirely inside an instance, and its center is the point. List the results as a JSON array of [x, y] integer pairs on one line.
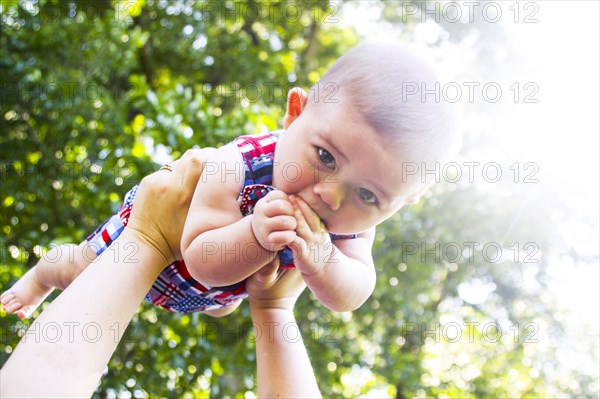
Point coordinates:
[[162, 203], [272, 288]]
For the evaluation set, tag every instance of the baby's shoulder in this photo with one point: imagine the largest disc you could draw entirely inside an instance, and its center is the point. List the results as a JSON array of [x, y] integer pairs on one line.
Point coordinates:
[[228, 154], [224, 170]]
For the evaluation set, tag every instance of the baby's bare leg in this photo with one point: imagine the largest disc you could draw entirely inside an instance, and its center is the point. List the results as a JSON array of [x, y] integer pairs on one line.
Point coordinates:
[[56, 269], [224, 311]]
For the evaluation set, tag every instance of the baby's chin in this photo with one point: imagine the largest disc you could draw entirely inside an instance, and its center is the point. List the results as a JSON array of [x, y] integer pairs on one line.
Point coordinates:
[[339, 228]]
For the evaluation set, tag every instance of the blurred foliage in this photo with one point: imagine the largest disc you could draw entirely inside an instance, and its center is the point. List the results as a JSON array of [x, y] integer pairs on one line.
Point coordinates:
[[95, 92]]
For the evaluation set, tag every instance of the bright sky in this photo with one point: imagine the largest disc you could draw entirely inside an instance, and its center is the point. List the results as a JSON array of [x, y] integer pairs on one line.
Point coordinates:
[[563, 132], [563, 56]]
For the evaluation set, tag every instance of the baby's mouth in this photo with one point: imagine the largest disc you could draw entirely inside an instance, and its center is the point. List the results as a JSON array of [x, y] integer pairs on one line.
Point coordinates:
[[321, 213], [323, 216]]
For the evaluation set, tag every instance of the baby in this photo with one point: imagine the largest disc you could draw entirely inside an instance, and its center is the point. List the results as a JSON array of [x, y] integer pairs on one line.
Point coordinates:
[[308, 197]]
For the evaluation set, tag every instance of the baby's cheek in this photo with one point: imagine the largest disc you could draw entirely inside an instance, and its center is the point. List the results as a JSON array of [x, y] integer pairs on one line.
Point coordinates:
[[356, 221]]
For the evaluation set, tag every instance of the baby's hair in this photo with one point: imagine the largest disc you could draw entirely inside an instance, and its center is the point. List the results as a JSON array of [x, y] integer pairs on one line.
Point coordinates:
[[379, 80]]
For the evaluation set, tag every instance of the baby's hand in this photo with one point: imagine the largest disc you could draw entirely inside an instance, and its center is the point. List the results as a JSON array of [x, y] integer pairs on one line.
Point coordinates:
[[312, 246], [273, 221]]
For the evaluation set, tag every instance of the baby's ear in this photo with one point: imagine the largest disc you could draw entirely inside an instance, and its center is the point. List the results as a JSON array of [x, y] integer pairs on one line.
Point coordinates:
[[296, 101]]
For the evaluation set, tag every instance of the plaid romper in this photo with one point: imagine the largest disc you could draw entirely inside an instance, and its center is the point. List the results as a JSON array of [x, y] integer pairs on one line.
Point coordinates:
[[175, 289]]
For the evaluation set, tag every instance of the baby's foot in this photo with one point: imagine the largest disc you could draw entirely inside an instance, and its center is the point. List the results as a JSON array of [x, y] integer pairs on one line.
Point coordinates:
[[25, 296]]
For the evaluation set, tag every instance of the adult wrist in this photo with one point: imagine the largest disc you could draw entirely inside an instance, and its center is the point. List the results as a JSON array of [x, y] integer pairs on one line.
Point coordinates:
[[269, 314], [279, 304], [145, 249]]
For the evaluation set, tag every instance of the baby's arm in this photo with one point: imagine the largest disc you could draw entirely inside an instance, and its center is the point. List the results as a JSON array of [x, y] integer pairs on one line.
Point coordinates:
[[341, 274], [220, 246]]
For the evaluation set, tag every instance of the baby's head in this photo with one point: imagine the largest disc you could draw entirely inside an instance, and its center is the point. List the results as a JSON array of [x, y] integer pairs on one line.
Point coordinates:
[[362, 127]]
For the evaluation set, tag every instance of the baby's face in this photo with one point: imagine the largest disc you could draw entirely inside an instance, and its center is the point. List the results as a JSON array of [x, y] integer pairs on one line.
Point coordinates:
[[342, 168]]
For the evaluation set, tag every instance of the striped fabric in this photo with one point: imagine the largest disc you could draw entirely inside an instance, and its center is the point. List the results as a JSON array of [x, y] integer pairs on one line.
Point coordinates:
[[175, 289], [104, 235]]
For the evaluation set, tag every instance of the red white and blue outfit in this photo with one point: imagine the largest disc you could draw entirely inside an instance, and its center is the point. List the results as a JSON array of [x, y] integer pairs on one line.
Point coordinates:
[[175, 289]]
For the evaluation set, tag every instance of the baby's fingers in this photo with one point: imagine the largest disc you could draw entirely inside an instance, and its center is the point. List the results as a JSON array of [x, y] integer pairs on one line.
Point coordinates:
[[304, 212], [280, 239], [278, 207], [302, 227], [276, 195], [299, 247], [280, 232]]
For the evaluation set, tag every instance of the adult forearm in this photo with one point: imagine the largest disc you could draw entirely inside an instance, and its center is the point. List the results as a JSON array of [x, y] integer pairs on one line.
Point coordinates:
[[283, 365], [226, 255], [71, 342]]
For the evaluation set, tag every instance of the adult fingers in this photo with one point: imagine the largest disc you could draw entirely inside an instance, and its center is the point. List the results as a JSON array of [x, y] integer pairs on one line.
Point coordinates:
[[194, 165], [268, 274]]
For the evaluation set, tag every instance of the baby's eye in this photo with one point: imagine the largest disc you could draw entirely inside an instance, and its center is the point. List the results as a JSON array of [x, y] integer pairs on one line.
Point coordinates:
[[367, 196], [326, 157]]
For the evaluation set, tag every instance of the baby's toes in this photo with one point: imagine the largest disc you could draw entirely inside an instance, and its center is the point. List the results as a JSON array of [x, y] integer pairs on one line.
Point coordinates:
[[12, 306], [26, 311], [6, 297]]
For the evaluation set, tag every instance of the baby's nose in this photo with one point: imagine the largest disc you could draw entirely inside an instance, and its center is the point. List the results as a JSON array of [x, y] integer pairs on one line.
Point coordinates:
[[332, 194]]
